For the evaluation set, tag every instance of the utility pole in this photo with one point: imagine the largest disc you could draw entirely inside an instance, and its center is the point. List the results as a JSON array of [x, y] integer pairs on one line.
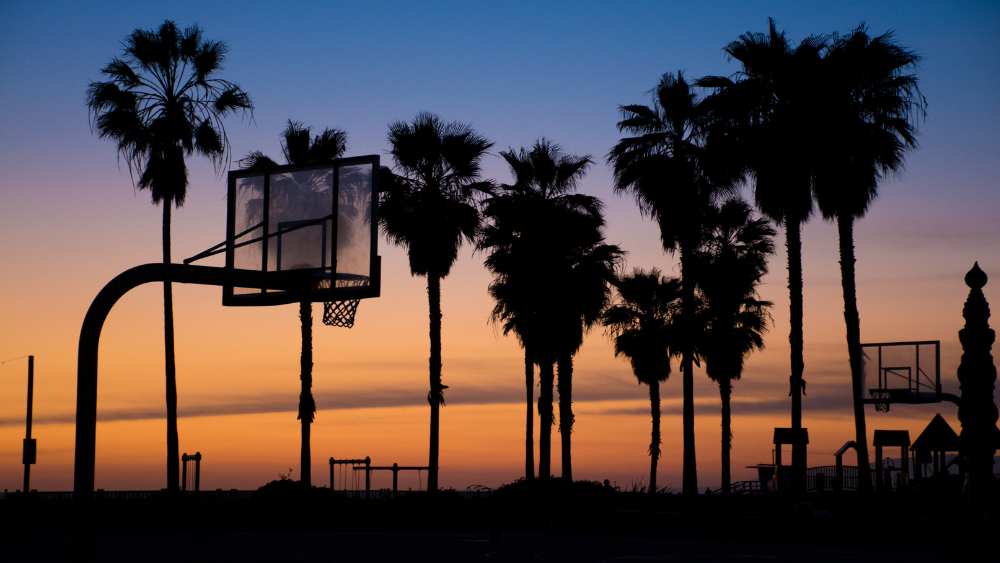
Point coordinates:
[[28, 454]]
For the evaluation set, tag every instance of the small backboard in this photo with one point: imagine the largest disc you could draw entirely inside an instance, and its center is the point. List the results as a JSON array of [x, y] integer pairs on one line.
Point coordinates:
[[319, 219], [902, 372]]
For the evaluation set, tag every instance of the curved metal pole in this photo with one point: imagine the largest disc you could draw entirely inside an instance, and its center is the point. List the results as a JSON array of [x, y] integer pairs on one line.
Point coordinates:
[[90, 335]]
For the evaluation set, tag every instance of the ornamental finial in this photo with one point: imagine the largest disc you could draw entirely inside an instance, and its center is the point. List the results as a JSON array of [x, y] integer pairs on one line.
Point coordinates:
[[976, 277]]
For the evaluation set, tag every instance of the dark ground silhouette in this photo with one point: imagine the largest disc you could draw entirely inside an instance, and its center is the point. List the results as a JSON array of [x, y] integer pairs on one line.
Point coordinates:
[[523, 522]]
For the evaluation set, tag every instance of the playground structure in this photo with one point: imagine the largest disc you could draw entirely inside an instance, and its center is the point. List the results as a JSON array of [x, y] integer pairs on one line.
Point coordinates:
[[357, 465], [196, 458], [350, 464], [790, 477], [932, 447], [395, 468], [884, 472], [295, 234], [909, 373]]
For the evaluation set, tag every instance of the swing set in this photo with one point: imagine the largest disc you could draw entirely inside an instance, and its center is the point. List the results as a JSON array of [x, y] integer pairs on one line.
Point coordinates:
[[349, 477], [347, 474]]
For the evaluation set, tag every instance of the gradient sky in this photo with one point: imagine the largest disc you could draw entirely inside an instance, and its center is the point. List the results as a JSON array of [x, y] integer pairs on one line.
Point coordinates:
[[70, 220]]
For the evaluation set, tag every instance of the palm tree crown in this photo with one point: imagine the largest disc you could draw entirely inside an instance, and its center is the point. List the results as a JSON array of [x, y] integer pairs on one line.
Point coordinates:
[[162, 101], [730, 268], [643, 323], [429, 207], [299, 146], [873, 103]]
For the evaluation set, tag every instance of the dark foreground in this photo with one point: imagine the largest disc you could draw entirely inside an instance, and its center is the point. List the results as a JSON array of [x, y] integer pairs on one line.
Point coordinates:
[[556, 524]]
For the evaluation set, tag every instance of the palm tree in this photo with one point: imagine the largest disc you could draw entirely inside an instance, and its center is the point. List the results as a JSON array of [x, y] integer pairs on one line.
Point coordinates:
[[644, 324], [551, 269], [300, 147], [769, 114], [429, 208], [675, 176], [515, 239], [162, 102], [872, 103], [734, 320]]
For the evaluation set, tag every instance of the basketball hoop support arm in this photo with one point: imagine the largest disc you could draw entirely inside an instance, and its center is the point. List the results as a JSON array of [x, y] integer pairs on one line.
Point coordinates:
[[90, 336]]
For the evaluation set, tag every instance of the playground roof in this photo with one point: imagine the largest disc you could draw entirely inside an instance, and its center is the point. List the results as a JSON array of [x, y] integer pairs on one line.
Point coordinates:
[[937, 436]]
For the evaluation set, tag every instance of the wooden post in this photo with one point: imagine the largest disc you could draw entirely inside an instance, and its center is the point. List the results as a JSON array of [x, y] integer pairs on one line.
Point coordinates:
[[197, 471], [838, 474], [331, 474], [395, 479], [879, 481], [184, 472], [368, 476], [905, 456]]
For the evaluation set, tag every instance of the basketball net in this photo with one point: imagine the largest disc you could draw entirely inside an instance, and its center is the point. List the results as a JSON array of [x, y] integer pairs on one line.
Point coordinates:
[[341, 313], [881, 399]]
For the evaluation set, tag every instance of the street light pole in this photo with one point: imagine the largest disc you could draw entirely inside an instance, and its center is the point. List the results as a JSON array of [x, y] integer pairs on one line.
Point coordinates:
[[29, 452]]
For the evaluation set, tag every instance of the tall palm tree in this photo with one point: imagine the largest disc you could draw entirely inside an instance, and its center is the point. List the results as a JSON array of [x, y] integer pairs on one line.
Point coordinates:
[[769, 112], [516, 238], [675, 176], [162, 102], [872, 104], [734, 320], [643, 322], [429, 208], [299, 147]]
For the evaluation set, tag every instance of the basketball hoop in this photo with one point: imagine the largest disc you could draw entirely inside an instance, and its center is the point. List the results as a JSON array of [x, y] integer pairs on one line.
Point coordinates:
[[880, 398], [341, 313]]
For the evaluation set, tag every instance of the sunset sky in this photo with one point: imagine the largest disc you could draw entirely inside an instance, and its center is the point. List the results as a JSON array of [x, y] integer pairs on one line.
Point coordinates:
[[70, 220]]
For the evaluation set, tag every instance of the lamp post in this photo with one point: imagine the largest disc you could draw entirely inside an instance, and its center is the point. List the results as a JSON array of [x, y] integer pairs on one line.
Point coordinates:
[[29, 450]]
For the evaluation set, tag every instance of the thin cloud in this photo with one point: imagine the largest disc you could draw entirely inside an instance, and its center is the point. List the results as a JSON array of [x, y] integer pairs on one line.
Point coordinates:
[[341, 400]]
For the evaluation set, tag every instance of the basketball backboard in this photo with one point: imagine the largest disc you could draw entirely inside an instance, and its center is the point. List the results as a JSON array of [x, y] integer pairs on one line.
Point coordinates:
[[902, 372], [319, 219]]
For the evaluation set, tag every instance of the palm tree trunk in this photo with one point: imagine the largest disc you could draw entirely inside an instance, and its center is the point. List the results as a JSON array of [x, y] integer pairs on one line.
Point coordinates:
[[436, 395], [529, 418], [654, 435], [545, 420], [845, 228], [690, 470], [726, 392], [173, 446], [307, 406], [566, 414], [793, 246]]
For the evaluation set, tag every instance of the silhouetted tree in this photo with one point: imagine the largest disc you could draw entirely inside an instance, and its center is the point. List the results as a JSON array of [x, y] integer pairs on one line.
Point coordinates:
[[729, 269], [871, 103], [675, 177], [545, 246], [643, 322], [769, 116], [300, 147], [429, 208], [161, 102]]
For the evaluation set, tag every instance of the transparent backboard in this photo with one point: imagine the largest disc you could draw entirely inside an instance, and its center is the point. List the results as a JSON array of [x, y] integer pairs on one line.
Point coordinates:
[[902, 372], [317, 220]]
